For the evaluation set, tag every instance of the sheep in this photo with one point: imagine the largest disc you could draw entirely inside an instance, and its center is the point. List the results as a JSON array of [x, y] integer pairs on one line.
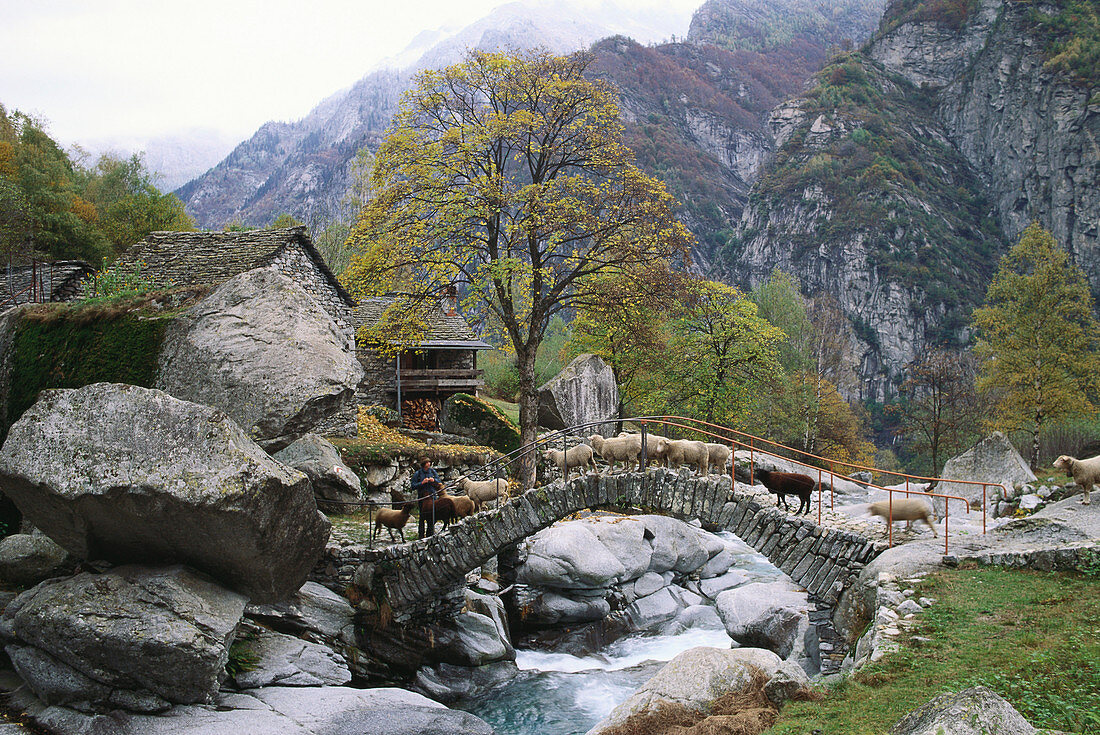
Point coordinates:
[[1086, 472], [622, 448], [464, 506], [904, 509], [434, 510], [393, 519], [565, 460], [788, 483], [685, 451], [719, 456], [484, 491]]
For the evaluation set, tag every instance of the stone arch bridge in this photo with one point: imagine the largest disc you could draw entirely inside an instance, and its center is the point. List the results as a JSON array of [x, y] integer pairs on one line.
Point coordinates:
[[425, 579]]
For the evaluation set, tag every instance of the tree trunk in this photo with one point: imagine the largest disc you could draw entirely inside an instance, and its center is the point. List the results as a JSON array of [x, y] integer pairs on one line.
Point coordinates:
[[528, 412]]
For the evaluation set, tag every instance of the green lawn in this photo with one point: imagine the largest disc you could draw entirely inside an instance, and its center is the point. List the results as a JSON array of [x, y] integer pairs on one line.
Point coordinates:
[[1032, 637]]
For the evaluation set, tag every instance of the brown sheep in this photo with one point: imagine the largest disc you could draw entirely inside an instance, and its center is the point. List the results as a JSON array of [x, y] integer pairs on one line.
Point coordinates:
[[904, 509], [788, 483], [435, 510], [1086, 472], [464, 506], [393, 519]]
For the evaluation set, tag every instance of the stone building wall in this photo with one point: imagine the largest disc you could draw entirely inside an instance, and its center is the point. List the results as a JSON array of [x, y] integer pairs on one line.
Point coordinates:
[[295, 263], [379, 384]]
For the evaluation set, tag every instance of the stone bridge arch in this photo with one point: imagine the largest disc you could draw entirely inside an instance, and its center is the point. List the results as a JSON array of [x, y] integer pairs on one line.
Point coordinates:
[[425, 579]]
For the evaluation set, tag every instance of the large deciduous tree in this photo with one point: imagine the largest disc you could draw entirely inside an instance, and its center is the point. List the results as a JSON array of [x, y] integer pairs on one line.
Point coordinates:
[[508, 177], [1038, 338]]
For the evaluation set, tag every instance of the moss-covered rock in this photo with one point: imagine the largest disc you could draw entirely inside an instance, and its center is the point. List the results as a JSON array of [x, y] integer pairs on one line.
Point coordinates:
[[466, 415]]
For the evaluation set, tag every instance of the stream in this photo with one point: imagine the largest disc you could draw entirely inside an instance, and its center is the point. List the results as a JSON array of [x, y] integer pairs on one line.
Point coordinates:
[[563, 694]]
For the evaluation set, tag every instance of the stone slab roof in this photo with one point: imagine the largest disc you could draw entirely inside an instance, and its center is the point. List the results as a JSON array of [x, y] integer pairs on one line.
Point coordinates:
[[58, 281], [193, 258], [444, 329]]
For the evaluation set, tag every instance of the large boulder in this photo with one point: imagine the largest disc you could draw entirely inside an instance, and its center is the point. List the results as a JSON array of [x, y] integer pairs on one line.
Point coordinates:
[[262, 350], [277, 659], [27, 559], [131, 474], [993, 460], [135, 637], [330, 478], [314, 612], [695, 678], [471, 417], [276, 711], [767, 615], [974, 711], [585, 390]]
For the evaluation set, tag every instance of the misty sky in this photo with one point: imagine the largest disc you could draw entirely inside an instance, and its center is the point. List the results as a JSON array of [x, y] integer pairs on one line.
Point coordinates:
[[142, 68]]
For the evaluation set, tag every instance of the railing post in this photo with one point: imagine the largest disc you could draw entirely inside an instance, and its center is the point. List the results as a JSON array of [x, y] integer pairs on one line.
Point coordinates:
[[645, 454], [752, 464], [890, 519], [820, 492], [946, 515], [985, 510], [832, 490]]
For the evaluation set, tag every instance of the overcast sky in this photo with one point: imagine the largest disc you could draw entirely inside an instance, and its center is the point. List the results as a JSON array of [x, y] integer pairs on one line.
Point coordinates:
[[142, 68]]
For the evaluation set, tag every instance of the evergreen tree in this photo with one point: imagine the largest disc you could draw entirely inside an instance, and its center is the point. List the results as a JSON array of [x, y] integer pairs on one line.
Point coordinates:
[[1038, 339]]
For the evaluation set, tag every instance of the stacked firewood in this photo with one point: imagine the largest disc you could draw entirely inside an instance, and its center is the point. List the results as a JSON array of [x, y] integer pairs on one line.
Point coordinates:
[[420, 413]]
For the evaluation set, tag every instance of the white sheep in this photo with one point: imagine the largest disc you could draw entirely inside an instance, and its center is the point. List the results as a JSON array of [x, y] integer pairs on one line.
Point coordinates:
[[904, 509], [623, 448], [685, 451], [1086, 472], [484, 491], [719, 456], [565, 460]]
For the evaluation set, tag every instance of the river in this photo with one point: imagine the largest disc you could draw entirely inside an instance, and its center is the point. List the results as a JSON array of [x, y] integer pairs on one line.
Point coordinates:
[[563, 694]]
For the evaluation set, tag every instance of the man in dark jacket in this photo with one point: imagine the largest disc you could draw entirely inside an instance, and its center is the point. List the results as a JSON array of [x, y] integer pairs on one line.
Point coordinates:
[[425, 481]]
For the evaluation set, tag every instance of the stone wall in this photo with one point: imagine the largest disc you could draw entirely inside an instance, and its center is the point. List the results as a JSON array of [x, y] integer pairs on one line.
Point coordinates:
[[295, 263], [1062, 558], [379, 385]]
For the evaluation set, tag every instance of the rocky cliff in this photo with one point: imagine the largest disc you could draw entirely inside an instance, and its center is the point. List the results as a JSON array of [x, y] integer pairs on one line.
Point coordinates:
[[1018, 112], [868, 200], [907, 167]]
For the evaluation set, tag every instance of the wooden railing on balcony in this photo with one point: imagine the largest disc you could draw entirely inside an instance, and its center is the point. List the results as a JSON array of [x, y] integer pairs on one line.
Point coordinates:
[[440, 378]]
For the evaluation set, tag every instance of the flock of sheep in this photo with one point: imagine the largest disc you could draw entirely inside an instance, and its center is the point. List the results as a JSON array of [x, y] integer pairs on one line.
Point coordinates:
[[627, 448]]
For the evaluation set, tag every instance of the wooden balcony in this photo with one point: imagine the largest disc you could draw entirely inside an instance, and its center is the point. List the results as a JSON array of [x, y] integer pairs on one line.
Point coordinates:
[[440, 379]]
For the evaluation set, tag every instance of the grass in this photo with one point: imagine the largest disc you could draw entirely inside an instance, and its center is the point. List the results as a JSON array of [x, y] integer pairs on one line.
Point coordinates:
[[1032, 637], [511, 410]]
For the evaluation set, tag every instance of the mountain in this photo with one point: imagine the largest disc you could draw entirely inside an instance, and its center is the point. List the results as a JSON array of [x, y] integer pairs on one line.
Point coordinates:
[[302, 167], [904, 171]]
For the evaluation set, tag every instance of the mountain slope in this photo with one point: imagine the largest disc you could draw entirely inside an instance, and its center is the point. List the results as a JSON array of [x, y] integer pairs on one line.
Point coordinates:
[[868, 200], [1009, 89]]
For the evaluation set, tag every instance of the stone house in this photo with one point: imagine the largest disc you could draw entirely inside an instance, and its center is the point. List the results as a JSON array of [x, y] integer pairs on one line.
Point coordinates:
[[421, 378], [42, 281], [193, 258]]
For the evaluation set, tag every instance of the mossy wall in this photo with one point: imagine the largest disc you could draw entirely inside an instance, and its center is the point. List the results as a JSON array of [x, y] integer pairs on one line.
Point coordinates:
[[64, 351]]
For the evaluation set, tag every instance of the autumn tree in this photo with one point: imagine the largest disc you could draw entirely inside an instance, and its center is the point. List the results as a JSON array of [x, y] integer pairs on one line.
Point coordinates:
[[627, 322], [938, 409], [507, 176], [1038, 339], [722, 354]]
